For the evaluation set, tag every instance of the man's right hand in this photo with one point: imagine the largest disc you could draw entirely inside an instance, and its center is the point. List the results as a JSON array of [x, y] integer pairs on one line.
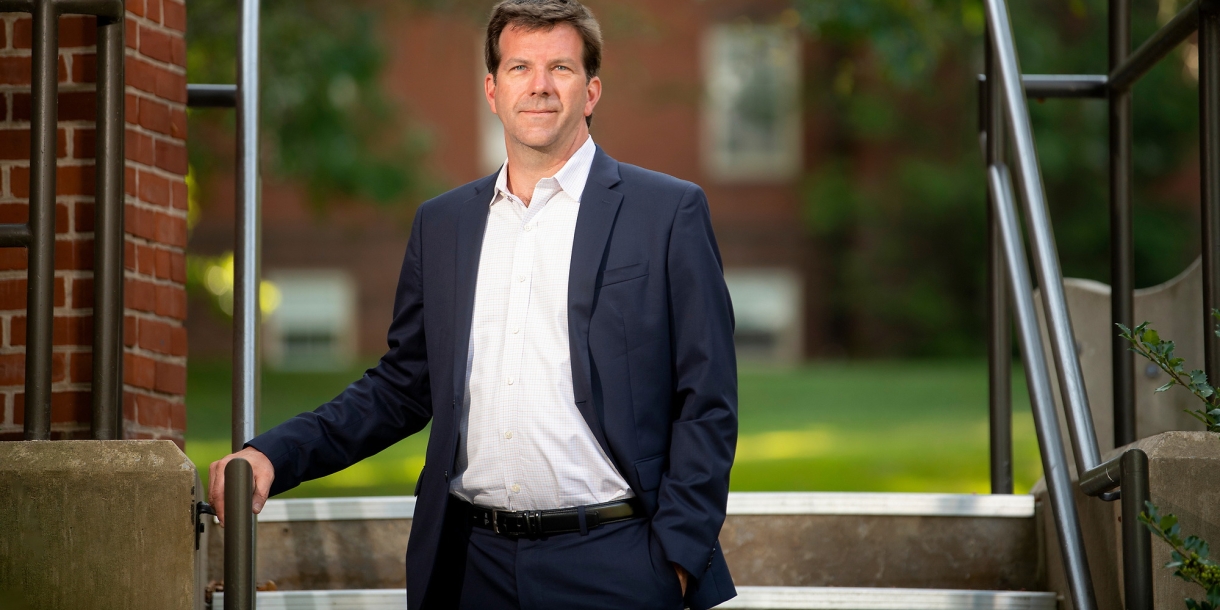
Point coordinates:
[[264, 474]]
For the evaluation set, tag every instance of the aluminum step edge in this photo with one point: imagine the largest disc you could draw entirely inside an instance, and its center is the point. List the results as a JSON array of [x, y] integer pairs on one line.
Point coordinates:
[[1016, 506], [748, 598]]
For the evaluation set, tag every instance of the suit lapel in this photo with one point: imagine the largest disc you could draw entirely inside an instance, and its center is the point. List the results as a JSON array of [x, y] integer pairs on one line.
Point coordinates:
[[599, 207], [472, 220]]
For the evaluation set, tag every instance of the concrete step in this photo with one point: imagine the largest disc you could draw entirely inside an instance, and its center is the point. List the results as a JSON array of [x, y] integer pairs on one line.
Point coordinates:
[[753, 598], [918, 541]]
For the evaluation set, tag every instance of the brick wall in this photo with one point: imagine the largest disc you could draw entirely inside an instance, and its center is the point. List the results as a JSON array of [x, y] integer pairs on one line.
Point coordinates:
[[154, 336]]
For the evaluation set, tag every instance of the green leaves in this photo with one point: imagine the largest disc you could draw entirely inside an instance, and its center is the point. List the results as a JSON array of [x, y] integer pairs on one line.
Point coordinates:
[[1148, 343], [1188, 558]]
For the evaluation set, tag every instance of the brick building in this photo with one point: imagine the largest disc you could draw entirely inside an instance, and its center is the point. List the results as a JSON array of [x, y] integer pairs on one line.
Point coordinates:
[[156, 204], [677, 77]]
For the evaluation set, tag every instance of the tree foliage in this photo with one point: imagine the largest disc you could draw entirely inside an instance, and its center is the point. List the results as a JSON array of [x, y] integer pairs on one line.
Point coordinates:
[[325, 121], [899, 207]]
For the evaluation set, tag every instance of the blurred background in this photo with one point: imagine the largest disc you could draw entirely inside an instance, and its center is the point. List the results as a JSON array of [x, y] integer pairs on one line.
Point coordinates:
[[837, 143]]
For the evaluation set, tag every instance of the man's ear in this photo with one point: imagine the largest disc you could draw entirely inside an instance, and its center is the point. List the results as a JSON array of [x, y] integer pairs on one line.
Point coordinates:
[[593, 93], [489, 91]]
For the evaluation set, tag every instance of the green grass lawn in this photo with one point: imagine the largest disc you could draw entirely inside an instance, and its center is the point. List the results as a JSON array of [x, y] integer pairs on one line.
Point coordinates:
[[875, 426]]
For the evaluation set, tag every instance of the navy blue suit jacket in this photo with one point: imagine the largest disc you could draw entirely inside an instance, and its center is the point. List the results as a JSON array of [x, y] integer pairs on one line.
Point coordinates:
[[653, 365]]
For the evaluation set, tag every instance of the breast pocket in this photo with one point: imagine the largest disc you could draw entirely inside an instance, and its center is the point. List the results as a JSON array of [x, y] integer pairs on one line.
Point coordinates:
[[618, 275]]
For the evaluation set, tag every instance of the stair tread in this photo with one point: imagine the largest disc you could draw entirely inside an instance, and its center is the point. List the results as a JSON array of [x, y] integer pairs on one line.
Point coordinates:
[[748, 598]]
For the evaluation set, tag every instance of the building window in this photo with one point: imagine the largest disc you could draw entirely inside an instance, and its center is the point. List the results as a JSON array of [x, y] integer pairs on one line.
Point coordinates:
[[767, 309], [314, 327], [752, 117]]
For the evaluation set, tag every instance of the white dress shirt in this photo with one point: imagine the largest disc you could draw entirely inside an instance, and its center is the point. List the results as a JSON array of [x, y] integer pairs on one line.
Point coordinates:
[[523, 444]]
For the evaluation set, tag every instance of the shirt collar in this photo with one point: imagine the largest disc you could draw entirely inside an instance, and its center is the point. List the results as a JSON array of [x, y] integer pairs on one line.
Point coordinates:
[[571, 177]]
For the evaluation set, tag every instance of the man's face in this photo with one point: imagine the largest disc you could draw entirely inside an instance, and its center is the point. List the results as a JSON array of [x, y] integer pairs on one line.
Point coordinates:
[[540, 91]]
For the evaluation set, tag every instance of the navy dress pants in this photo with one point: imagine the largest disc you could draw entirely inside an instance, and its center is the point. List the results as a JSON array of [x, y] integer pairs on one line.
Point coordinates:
[[616, 566]]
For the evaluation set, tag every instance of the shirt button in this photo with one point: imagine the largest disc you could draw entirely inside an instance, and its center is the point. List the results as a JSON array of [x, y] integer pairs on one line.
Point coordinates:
[[516, 330], [529, 228], [516, 488], [520, 278], [508, 434], [511, 380]]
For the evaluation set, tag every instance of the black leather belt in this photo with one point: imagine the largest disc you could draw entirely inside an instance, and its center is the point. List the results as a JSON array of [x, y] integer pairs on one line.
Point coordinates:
[[557, 521]]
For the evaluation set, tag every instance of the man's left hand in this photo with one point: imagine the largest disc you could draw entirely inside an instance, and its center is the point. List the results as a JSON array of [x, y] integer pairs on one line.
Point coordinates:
[[683, 577]]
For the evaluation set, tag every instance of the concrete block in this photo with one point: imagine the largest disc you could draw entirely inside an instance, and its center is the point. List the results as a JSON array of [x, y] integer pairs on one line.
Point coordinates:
[[1184, 479], [770, 550], [1174, 310], [97, 524]]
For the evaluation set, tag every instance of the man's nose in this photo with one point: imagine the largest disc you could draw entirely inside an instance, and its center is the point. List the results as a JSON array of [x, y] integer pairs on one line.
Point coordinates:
[[542, 83]]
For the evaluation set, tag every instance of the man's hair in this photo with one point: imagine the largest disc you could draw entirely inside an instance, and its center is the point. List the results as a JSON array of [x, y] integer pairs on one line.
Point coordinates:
[[544, 15]]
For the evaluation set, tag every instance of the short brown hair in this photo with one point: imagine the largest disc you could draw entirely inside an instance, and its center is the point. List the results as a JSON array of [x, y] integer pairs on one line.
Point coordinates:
[[544, 15]]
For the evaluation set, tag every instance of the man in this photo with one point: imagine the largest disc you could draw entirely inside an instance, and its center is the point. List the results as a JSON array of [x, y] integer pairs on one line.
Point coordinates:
[[565, 325]]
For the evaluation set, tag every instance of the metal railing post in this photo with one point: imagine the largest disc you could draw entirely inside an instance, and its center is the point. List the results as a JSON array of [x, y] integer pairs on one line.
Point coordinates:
[[108, 232], [1209, 168], [1137, 540], [1122, 260], [246, 255], [40, 289], [999, 326], [239, 535]]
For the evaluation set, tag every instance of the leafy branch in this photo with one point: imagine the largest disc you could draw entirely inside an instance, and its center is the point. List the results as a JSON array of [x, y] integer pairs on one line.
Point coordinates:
[[1189, 558], [1147, 343]]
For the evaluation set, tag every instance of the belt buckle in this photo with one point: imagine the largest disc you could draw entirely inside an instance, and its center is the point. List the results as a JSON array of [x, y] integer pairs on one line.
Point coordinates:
[[495, 521]]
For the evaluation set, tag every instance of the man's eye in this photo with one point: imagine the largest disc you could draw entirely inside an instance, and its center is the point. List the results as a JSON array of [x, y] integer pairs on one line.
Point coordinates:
[[517, 68], [562, 68]]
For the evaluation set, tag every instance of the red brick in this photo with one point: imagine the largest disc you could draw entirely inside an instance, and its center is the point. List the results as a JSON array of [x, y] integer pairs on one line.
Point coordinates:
[[13, 258], [154, 189], [73, 106], [74, 31], [152, 10], [140, 74], [14, 213], [131, 324], [154, 43], [4, 106], [177, 413], [153, 412], [74, 254], [163, 264], [171, 230], [84, 68], [177, 267], [139, 371], [171, 157], [133, 37], [136, 7], [140, 148], [129, 404], [70, 180], [171, 302], [15, 144], [141, 223], [80, 367], [71, 407], [129, 181], [154, 116], [145, 260], [132, 109], [177, 50], [177, 124], [181, 197], [61, 218], [12, 369], [156, 336], [82, 293], [83, 217], [84, 143], [16, 70], [3, 44], [178, 341], [12, 293], [65, 330], [173, 15], [129, 252], [171, 378], [170, 85], [139, 295]]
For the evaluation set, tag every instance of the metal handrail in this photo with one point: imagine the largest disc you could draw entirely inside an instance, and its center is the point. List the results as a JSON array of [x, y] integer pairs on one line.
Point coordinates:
[[38, 235]]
